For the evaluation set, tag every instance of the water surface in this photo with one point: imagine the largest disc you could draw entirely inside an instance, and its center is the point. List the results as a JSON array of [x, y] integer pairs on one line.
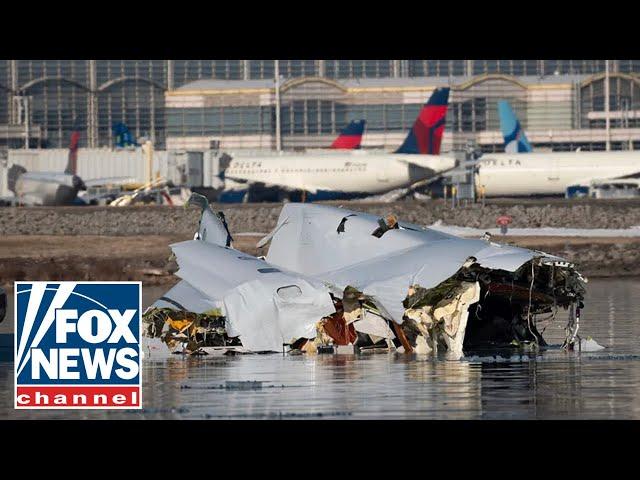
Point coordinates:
[[551, 385]]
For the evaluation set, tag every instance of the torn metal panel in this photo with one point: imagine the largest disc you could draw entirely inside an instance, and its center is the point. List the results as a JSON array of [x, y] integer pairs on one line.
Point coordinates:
[[212, 227], [340, 247], [307, 239], [184, 296], [265, 314], [373, 325], [263, 305]]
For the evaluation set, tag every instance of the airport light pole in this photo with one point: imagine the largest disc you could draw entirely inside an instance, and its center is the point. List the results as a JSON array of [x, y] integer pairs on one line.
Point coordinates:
[[277, 79], [607, 123], [23, 108]]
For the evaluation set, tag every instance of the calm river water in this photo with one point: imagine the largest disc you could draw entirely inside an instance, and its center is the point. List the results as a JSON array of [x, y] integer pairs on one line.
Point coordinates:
[[551, 385]]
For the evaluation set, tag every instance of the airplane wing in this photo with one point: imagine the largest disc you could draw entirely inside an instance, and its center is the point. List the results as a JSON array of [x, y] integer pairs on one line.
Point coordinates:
[[382, 267], [287, 185], [264, 305], [436, 163], [97, 182], [625, 179], [401, 272]]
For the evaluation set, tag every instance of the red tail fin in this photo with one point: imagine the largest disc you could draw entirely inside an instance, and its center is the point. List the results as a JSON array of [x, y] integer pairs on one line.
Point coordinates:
[[350, 137]]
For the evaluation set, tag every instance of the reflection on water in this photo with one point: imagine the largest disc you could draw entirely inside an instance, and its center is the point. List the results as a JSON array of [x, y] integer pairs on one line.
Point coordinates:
[[553, 385]]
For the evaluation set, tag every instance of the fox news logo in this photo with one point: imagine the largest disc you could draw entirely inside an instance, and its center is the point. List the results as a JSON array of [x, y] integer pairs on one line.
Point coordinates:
[[78, 345]]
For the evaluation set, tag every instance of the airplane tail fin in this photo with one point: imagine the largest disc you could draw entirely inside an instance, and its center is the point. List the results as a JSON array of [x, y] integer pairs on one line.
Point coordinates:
[[425, 137], [213, 226], [350, 136], [123, 136], [13, 174], [515, 141], [72, 163]]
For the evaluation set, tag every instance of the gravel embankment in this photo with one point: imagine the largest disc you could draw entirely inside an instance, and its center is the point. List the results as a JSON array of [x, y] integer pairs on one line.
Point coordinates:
[[263, 217]]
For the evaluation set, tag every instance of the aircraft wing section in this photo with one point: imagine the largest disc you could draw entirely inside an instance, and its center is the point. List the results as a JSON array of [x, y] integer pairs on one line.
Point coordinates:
[[340, 248], [290, 185], [98, 182], [437, 163], [625, 179], [313, 238], [264, 305]]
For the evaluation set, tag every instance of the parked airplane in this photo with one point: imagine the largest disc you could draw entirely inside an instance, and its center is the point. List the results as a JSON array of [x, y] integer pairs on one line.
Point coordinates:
[[325, 176], [58, 188], [521, 172], [48, 188]]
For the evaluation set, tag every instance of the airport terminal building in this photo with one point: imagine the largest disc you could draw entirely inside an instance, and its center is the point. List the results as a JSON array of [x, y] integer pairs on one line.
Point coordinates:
[[238, 104]]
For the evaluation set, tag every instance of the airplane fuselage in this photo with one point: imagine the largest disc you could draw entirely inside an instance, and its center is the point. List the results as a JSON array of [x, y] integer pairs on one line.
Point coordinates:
[[521, 174], [349, 174]]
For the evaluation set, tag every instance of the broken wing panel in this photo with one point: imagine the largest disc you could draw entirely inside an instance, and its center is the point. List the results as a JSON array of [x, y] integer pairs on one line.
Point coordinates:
[[184, 296], [213, 230], [216, 269], [212, 227], [504, 257], [315, 238], [263, 305], [387, 279]]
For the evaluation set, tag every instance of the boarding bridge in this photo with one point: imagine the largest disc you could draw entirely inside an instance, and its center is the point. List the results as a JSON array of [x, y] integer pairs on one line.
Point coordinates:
[[463, 177]]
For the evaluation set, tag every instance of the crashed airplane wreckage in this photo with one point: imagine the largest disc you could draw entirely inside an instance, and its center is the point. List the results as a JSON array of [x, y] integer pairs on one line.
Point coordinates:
[[334, 277]]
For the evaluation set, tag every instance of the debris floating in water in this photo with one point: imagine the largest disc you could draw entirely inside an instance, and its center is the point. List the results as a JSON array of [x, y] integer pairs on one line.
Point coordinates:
[[334, 280]]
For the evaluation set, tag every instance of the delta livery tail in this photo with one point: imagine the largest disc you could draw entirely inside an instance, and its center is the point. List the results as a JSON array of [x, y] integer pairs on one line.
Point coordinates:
[[72, 161], [425, 136], [515, 141], [350, 136]]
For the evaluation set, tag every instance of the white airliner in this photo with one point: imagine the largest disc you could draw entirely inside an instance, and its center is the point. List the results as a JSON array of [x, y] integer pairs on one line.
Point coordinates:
[[552, 173], [524, 172], [324, 176]]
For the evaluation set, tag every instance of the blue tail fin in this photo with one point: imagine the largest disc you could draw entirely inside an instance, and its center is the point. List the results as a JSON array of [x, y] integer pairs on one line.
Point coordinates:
[[425, 137], [515, 141], [123, 136]]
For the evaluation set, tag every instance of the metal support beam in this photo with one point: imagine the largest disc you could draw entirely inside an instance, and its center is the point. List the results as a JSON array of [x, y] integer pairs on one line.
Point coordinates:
[[606, 106], [469, 68], [170, 79], [245, 70], [396, 68], [277, 80], [13, 72], [92, 133]]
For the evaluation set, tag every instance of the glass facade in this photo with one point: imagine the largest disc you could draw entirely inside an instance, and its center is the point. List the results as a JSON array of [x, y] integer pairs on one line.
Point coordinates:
[[358, 68], [212, 121], [98, 93], [624, 103]]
